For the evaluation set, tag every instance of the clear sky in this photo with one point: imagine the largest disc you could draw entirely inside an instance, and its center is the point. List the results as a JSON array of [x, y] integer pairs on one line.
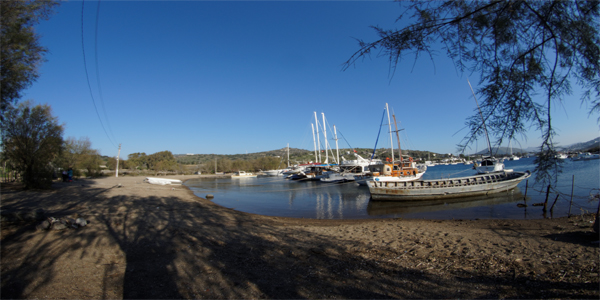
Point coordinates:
[[241, 77]]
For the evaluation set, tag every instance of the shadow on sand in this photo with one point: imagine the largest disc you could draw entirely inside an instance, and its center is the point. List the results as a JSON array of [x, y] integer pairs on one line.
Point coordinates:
[[169, 247]]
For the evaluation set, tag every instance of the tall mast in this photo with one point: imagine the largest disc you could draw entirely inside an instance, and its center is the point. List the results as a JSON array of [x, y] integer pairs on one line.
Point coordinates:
[[487, 138], [398, 138], [318, 141], [325, 138], [337, 150], [390, 127], [288, 154], [314, 141]]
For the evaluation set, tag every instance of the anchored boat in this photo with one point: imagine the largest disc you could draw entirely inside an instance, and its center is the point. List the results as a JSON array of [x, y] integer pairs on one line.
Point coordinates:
[[163, 181], [243, 174], [403, 169], [476, 185]]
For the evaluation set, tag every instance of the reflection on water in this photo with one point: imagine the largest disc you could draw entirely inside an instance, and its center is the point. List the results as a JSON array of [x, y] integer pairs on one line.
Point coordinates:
[[276, 196], [420, 206]]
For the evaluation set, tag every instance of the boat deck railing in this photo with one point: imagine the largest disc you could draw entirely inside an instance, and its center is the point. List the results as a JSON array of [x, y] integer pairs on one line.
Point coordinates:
[[445, 183]]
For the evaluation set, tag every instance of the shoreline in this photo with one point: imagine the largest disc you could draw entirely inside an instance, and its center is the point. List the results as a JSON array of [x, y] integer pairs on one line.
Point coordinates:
[[149, 241]]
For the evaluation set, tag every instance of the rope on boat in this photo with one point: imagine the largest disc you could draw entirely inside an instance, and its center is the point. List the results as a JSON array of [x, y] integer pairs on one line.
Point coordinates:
[[470, 169]]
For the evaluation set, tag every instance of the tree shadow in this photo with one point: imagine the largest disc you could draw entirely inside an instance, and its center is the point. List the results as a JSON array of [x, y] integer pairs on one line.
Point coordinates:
[[171, 247], [583, 238]]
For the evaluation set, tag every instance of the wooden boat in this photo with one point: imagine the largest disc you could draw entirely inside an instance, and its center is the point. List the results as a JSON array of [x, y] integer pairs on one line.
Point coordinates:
[[405, 170], [242, 174], [476, 185], [163, 181], [375, 208], [400, 170]]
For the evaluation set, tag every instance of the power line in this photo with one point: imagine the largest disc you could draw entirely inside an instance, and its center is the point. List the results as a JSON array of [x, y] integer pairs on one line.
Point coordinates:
[[98, 72], [88, 77]]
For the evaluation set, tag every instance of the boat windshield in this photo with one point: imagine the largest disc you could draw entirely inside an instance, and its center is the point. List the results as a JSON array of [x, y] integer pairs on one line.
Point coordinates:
[[487, 163]]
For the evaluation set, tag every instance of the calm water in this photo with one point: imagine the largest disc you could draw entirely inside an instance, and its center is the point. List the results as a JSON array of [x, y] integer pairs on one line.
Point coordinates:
[[276, 196]]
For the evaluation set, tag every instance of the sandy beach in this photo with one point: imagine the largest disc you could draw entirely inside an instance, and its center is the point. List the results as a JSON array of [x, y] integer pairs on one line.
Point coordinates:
[[148, 241]]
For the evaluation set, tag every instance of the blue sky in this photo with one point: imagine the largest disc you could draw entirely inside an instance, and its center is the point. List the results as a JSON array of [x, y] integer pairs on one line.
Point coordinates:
[[242, 77]]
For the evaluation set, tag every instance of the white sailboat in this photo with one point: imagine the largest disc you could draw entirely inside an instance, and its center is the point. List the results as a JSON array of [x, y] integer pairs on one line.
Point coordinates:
[[280, 172], [489, 164], [352, 170], [512, 156]]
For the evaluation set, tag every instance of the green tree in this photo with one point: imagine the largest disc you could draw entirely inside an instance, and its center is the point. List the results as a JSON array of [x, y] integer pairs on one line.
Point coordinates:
[[20, 51], [162, 161], [90, 161], [527, 54], [138, 160], [32, 139], [224, 165], [111, 163], [79, 155]]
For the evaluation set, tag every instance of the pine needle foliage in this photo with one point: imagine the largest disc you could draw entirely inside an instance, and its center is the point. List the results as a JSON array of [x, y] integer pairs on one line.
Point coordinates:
[[528, 54]]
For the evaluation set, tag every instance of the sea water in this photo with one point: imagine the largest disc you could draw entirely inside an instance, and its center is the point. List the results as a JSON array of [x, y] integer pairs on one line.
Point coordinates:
[[277, 196]]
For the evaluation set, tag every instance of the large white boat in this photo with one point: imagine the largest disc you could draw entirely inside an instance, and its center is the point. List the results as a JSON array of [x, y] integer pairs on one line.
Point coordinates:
[[163, 181], [293, 170], [312, 172], [476, 185], [274, 172], [279, 172], [489, 164], [586, 156], [352, 170], [562, 156], [243, 174]]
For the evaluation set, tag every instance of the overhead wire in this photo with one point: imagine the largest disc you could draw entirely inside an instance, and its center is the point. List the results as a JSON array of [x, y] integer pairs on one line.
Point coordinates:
[[98, 72], [88, 77]]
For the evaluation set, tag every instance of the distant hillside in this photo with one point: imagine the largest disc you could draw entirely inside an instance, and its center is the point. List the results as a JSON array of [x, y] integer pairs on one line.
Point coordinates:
[[299, 156], [295, 154], [504, 151], [587, 146]]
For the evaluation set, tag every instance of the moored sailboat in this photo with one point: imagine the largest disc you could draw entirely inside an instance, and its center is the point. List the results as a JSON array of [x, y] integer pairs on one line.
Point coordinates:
[[403, 170], [489, 164]]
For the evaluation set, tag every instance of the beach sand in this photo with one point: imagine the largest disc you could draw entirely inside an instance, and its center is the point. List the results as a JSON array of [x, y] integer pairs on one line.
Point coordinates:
[[148, 241]]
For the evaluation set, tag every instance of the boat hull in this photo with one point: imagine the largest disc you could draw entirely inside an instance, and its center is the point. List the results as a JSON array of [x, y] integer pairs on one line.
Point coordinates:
[[163, 181], [242, 174], [273, 172], [477, 185]]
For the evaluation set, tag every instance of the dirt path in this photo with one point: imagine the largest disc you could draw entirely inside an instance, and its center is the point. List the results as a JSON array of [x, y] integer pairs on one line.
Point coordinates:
[[147, 241]]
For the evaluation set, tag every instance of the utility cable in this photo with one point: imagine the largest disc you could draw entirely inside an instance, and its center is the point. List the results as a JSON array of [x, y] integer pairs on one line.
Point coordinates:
[[98, 72], [88, 78]]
